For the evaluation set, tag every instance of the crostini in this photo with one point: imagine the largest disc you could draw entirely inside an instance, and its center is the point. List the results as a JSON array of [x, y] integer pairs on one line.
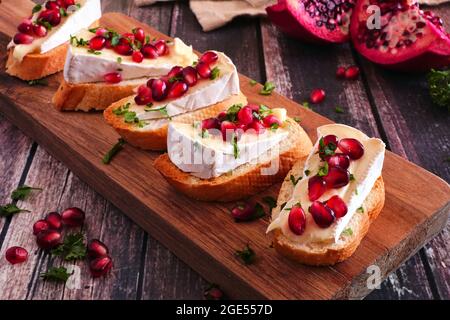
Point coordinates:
[[183, 95], [103, 66], [233, 155], [39, 48], [326, 204]]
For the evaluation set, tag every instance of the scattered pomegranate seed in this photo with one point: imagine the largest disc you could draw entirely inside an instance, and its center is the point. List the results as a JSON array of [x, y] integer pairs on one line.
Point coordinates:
[[97, 249], [211, 123], [159, 89], [245, 115], [209, 57], [22, 38], [322, 215], [48, 239], [97, 43], [137, 56], [189, 75], [213, 293], [40, 225], [25, 27], [100, 266], [16, 255], [317, 96], [177, 89], [113, 77], [51, 16], [340, 72], [139, 34], [352, 73], [149, 51], [338, 160], [52, 5], [257, 126], [203, 70], [244, 211], [101, 32], [316, 187], [161, 47], [270, 120], [351, 147], [338, 206], [73, 217], [39, 31], [227, 128], [336, 177], [54, 220], [297, 220], [175, 72]]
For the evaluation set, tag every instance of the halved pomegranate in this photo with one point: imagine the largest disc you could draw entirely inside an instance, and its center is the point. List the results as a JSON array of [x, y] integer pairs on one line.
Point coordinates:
[[319, 21], [297, 220], [408, 39]]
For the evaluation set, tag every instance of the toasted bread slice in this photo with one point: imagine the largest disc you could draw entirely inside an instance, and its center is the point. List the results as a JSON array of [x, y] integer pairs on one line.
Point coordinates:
[[154, 135], [92, 96], [36, 65], [246, 179], [328, 254]]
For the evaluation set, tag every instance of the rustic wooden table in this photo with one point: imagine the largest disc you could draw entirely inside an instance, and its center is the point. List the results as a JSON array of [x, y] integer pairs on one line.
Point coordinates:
[[392, 106]]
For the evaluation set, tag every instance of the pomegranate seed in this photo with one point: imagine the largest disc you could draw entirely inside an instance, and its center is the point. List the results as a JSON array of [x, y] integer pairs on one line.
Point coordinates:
[[209, 57], [338, 160], [101, 32], [297, 220], [253, 106], [213, 293], [203, 70], [242, 128], [26, 27], [159, 89], [340, 72], [73, 217], [128, 36], [189, 75], [322, 215], [142, 100], [331, 138], [222, 116], [97, 249], [139, 34], [161, 47], [177, 89], [54, 220], [40, 225], [352, 73], [338, 206], [149, 51], [351, 147], [316, 187], [144, 90], [22, 38], [113, 77], [245, 115], [108, 44], [270, 120], [39, 31], [227, 128], [124, 49], [100, 266], [97, 43], [48, 239], [175, 72], [52, 5], [51, 16], [257, 126], [336, 177], [317, 96], [16, 255], [211, 123], [137, 56], [67, 3], [244, 211]]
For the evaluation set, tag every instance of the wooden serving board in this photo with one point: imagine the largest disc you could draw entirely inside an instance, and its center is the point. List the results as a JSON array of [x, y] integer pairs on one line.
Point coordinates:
[[203, 234]]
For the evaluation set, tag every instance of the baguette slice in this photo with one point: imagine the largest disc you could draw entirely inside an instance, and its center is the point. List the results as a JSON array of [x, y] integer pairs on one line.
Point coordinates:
[[36, 65], [154, 135], [329, 254], [92, 96], [246, 179]]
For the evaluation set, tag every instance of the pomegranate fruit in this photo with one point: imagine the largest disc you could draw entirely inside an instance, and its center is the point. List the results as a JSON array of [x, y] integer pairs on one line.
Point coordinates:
[[52, 5], [175, 72], [39, 31], [149, 51], [203, 70], [271, 120], [139, 34], [96, 249], [323, 216], [257, 126], [48, 239], [100, 266], [227, 128], [340, 72], [351, 147], [318, 21], [16, 255], [316, 187], [25, 27], [73, 217], [54, 220], [297, 220], [51, 16], [159, 89], [338, 206], [407, 39], [244, 212], [210, 123], [161, 47], [40, 225]]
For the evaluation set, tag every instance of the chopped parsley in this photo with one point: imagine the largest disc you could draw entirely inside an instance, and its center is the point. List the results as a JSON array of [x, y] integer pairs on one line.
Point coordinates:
[[235, 146], [56, 274], [113, 151], [297, 119], [73, 248], [264, 110], [115, 39], [62, 12], [326, 149], [352, 177], [294, 180], [38, 82], [323, 170], [119, 60], [339, 109], [22, 192], [204, 134], [215, 72], [347, 232], [267, 89], [162, 110], [129, 116], [36, 8], [10, 210], [360, 210], [175, 78], [233, 111], [439, 87], [78, 42], [92, 51], [252, 82], [93, 30], [247, 255], [122, 109], [306, 105]]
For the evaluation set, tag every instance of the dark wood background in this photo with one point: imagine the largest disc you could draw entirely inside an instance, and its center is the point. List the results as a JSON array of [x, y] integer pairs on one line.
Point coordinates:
[[395, 107]]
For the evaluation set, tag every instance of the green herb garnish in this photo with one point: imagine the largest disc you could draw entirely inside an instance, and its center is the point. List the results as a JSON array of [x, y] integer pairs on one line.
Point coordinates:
[[38, 82], [78, 42], [326, 149], [10, 210], [352, 177], [360, 210], [307, 172], [162, 110], [267, 89], [92, 51], [339, 109], [62, 12], [56, 274], [252, 82], [36, 8], [214, 73], [247, 255], [22, 192], [306, 105], [113, 151], [294, 180], [439, 87], [347, 232], [323, 170], [235, 146], [119, 59], [73, 247], [297, 119]]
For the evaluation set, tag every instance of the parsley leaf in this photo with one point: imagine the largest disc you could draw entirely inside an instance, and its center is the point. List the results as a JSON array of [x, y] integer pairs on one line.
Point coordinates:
[[36, 8], [215, 72], [439, 87], [347, 232], [306, 105], [162, 110], [352, 177], [73, 247], [235, 146], [267, 89], [339, 109], [297, 119], [323, 171], [10, 209], [247, 255], [56, 274], [293, 180], [233, 111], [22, 192], [113, 151], [92, 51], [252, 82], [360, 210]]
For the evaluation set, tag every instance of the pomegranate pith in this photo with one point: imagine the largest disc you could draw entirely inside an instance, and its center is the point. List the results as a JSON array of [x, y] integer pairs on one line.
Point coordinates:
[[297, 220], [16, 255]]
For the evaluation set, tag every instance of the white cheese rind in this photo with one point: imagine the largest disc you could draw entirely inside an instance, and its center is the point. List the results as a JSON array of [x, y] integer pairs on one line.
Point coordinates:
[[82, 66], [366, 171]]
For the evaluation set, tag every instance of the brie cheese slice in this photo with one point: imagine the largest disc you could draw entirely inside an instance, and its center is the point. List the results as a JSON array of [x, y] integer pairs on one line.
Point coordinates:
[[206, 155], [78, 18], [365, 171]]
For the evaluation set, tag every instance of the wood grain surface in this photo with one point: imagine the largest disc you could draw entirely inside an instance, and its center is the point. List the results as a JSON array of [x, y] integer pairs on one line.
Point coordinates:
[[147, 270]]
